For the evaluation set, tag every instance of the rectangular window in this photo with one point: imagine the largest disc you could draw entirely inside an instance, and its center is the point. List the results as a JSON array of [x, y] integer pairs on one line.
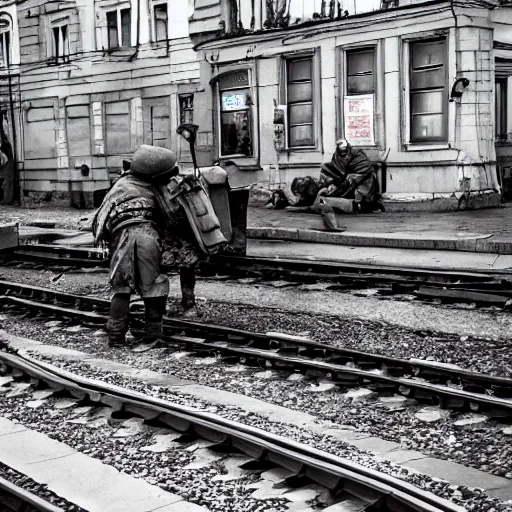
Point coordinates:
[[161, 21], [361, 71], [126, 27], [60, 43], [360, 95], [299, 95], [428, 91], [186, 108], [119, 26], [5, 48], [501, 109], [113, 39]]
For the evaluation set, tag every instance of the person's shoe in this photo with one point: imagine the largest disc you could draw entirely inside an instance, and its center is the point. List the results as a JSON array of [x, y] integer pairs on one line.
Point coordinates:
[[329, 218], [191, 313], [175, 310], [146, 345]]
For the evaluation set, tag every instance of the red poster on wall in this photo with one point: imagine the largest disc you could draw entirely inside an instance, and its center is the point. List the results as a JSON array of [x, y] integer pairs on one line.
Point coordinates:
[[358, 115]]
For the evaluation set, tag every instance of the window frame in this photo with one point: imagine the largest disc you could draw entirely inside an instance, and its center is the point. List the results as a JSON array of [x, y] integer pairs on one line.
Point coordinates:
[[119, 26], [315, 104], [182, 110], [433, 142], [504, 94], [153, 5], [62, 43], [378, 98], [6, 43], [249, 109]]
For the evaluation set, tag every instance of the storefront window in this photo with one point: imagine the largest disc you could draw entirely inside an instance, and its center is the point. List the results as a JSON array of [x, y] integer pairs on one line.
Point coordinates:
[[235, 115]]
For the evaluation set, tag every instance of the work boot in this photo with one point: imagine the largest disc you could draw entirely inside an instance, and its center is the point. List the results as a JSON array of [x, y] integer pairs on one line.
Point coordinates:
[[155, 310], [117, 324]]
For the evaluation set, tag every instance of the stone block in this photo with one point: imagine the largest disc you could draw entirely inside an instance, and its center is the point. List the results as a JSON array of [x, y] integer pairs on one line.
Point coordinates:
[[469, 44], [375, 444], [467, 61], [458, 474], [28, 447]]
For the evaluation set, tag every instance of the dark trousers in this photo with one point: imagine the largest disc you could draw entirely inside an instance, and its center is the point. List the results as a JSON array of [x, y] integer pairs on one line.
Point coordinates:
[[118, 321]]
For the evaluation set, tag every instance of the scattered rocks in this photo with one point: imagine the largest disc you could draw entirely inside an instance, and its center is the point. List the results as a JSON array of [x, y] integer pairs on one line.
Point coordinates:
[[33, 487], [471, 419], [431, 414]]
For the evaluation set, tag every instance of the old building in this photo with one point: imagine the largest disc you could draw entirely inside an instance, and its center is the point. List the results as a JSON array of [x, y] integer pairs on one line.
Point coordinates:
[[425, 85], [97, 79], [9, 76]]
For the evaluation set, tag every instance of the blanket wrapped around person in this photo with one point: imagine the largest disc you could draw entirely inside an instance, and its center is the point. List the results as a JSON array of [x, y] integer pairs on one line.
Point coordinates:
[[350, 175]]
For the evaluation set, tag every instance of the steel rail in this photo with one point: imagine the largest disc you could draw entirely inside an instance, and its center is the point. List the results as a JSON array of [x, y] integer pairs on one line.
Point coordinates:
[[320, 467], [392, 372], [87, 256], [25, 499], [286, 341]]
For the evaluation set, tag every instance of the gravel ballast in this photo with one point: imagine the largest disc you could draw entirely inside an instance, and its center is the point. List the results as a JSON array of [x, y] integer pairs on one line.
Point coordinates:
[[487, 351], [24, 482], [482, 446], [125, 453]]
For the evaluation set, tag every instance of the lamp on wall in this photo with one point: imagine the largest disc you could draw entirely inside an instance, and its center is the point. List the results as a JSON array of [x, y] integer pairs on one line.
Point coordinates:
[[458, 88], [189, 132]]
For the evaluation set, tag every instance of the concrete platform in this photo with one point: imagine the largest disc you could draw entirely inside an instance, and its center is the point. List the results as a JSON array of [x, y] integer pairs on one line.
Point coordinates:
[[9, 236], [481, 231], [452, 472], [414, 258], [81, 479], [485, 231]]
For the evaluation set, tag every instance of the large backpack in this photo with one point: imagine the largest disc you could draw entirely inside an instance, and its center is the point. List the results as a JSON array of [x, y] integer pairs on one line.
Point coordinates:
[[189, 194]]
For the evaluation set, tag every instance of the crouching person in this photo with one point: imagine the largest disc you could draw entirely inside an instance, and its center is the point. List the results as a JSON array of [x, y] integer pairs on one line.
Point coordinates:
[[130, 223]]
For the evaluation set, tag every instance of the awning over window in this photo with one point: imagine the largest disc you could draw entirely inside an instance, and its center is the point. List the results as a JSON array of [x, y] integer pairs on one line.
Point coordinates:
[[503, 67]]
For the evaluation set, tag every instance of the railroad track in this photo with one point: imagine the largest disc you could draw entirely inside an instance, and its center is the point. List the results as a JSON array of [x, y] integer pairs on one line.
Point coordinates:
[[351, 485], [481, 288], [426, 381], [17, 499]]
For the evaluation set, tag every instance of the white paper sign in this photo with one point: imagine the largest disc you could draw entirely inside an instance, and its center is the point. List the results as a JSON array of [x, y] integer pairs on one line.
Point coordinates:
[[358, 115]]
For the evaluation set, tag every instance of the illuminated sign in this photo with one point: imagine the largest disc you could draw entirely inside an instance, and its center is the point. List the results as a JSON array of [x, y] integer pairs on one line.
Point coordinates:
[[234, 101]]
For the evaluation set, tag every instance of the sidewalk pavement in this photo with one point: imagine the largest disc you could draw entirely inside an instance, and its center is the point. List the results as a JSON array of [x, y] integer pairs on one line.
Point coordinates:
[[485, 231], [479, 240]]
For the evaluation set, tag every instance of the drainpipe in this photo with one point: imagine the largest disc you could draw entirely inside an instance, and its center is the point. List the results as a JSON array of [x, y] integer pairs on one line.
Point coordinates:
[[137, 44], [17, 191]]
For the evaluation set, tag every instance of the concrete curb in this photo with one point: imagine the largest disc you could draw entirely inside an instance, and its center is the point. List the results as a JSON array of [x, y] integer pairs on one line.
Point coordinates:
[[479, 243]]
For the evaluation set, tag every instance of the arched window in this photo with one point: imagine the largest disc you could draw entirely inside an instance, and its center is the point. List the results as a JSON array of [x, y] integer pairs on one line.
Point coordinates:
[[5, 41]]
